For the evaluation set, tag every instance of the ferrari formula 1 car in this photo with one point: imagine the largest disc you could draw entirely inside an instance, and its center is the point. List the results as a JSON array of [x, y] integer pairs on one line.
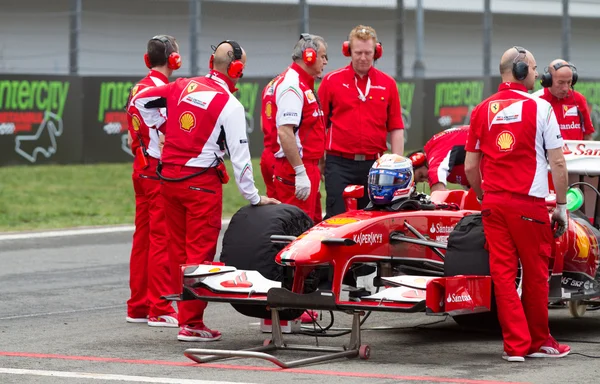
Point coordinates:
[[429, 255]]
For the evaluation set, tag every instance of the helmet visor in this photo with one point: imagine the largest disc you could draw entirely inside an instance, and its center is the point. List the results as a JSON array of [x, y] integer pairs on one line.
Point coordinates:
[[388, 178]]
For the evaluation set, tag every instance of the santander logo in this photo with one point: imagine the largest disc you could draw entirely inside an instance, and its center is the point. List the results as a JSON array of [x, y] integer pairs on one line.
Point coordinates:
[[462, 298]]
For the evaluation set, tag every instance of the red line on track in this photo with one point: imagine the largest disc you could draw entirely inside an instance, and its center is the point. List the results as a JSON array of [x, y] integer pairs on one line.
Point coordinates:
[[250, 368]]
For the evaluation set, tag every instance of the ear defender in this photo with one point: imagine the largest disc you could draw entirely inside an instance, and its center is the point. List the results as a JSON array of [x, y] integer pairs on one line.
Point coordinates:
[[309, 55], [418, 159], [546, 78], [520, 69], [346, 50], [235, 69], [173, 59]]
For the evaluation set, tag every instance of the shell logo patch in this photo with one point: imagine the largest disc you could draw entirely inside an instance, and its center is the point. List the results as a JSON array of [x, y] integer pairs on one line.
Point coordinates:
[[310, 96], [505, 141], [269, 110], [192, 87], [187, 121], [494, 107], [135, 121]]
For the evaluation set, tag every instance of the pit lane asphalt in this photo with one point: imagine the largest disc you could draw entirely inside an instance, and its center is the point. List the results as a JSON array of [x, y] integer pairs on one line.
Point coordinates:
[[62, 309]]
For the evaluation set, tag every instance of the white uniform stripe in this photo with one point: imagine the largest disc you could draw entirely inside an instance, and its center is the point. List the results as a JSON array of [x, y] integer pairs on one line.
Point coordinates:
[[444, 169], [107, 377]]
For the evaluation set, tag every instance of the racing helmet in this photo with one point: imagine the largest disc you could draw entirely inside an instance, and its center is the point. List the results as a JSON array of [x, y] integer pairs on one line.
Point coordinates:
[[391, 178]]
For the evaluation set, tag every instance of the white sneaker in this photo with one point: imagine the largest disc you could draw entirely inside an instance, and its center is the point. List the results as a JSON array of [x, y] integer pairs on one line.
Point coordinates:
[[136, 319], [168, 321], [513, 359]]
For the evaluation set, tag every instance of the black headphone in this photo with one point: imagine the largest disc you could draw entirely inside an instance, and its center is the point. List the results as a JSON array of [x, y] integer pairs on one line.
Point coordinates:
[[546, 79], [520, 69]]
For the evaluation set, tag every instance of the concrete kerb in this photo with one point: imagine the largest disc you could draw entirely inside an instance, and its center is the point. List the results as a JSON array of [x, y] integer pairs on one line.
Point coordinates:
[[74, 231]]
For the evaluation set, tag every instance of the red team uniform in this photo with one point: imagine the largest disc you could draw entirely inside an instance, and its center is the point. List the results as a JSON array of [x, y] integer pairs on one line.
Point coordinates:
[[269, 128], [572, 114], [445, 153], [204, 119], [149, 266], [296, 104], [512, 130]]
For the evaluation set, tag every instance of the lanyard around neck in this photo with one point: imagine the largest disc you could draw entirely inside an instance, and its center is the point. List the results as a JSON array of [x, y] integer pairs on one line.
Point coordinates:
[[363, 96]]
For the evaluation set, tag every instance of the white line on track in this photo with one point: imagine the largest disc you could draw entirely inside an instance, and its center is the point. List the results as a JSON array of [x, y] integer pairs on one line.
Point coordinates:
[[62, 312], [107, 377], [75, 232]]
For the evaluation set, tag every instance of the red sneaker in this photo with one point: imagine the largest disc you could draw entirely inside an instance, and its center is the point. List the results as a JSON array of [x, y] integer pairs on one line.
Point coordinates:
[[551, 349], [198, 334], [168, 320]]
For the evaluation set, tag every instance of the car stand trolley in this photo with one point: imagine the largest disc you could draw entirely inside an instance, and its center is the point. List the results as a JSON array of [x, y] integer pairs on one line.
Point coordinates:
[[276, 299]]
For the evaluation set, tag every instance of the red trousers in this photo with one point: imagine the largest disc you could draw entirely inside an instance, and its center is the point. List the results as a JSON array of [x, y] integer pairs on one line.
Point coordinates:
[[285, 190], [517, 228], [149, 273], [267, 166], [194, 208]]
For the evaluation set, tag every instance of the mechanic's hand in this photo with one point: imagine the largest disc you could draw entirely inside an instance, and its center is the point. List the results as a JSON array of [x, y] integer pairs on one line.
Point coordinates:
[[560, 221], [264, 200], [302, 183]]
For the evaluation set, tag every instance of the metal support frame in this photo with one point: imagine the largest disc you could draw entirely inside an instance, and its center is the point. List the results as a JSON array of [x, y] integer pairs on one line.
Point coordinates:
[[353, 349]]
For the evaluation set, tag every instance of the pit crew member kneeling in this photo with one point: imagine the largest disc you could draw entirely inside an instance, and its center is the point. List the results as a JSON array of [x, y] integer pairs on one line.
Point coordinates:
[[204, 119], [442, 160]]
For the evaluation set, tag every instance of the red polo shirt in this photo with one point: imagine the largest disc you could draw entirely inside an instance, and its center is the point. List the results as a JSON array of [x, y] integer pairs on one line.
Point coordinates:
[[571, 112], [359, 112], [513, 130]]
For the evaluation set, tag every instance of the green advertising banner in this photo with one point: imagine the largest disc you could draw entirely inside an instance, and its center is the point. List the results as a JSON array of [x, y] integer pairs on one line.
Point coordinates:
[[591, 91], [40, 119], [448, 102], [249, 94], [411, 102], [105, 119]]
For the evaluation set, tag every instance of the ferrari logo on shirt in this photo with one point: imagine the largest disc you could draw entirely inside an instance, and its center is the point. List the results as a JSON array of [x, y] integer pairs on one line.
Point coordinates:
[[505, 112], [310, 96], [135, 121], [269, 110], [134, 90], [505, 141], [192, 87], [187, 121], [494, 107], [570, 110]]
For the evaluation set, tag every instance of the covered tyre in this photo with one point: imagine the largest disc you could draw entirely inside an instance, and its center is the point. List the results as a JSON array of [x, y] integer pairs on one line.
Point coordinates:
[[247, 245], [466, 255]]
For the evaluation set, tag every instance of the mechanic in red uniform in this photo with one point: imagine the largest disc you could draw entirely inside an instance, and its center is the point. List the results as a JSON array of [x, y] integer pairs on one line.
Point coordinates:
[[513, 137], [570, 106], [300, 128], [442, 160], [149, 274], [269, 129], [361, 105], [204, 119]]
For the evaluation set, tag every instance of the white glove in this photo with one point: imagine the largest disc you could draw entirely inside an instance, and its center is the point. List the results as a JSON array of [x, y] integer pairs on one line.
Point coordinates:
[[559, 220], [302, 183]]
